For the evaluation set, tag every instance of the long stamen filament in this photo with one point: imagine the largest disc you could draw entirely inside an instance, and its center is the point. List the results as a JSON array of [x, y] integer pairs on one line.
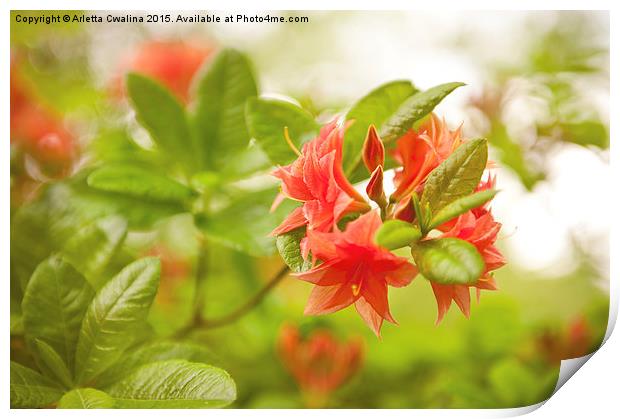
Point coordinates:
[[290, 143]]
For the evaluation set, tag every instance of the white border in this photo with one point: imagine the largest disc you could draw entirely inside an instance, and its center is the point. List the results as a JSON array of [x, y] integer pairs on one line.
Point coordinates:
[[594, 391]]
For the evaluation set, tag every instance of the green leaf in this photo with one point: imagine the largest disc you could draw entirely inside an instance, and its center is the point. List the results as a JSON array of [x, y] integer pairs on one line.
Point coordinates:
[[54, 363], [153, 352], [448, 261], [113, 316], [55, 301], [394, 234], [86, 398], [585, 133], [163, 116], [266, 119], [140, 183], [461, 206], [511, 153], [414, 109], [246, 222], [174, 384], [29, 389], [457, 176], [219, 120], [92, 248], [376, 108], [288, 247], [89, 204]]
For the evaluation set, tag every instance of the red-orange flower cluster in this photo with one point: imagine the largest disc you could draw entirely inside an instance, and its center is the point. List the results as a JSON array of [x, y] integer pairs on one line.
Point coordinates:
[[353, 268], [319, 363], [173, 63]]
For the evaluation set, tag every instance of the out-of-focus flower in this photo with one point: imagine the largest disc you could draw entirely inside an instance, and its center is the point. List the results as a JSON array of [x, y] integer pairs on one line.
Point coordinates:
[[174, 268], [480, 229], [319, 363], [574, 341], [173, 63], [38, 131], [355, 270], [419, 152], [316, 178], [373, 151]]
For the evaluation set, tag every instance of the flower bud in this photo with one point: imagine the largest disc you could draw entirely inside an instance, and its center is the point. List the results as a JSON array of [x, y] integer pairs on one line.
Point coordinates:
[[373, 152], [404, 211], [375, 187]]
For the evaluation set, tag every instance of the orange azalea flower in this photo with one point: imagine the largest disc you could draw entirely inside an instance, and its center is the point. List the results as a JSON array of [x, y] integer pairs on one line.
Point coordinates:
[[574, 341], [355, 270], [38, 131], [319, 363], [480, 229], [316, 178], [421, 151], [172, 63]]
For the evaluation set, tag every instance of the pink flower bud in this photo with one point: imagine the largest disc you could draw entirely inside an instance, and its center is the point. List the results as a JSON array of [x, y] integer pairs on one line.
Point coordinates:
[[373, 151]]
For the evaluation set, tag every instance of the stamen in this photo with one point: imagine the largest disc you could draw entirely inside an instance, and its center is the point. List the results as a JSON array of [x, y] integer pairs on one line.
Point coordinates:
[[356, 289], [290, 142]]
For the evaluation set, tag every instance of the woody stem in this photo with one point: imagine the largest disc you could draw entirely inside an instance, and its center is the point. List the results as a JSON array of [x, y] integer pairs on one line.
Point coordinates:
[[198, 322], [201, 272]]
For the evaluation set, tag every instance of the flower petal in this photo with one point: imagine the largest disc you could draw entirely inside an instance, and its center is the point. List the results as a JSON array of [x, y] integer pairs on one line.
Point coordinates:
[[362, 230], [294, 220], [369, 315], [324, 300]]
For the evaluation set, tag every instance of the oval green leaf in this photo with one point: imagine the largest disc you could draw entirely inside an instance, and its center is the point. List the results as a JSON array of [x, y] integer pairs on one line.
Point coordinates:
[[414, 109], [29, 389], [219, 120], [377, 107], [448, 261], [86, 398], [288, 247], [174, 384], [394, 234], [139, 182], [53, 363], [457, 176], [153, 352], [113, 316], [159, 111], [266, 119], [461, 206], [92, 248], [56, 298]]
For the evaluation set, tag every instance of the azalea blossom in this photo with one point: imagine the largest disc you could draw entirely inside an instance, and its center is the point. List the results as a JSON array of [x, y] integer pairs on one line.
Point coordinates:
[[316, 178], [319, 363], [479, 228], [38, 131], [573, 341], [172, 63], [419, 152], [355, 270]]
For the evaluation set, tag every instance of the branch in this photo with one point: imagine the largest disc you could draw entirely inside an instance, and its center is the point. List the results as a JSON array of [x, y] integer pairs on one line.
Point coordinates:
[[198, 322]]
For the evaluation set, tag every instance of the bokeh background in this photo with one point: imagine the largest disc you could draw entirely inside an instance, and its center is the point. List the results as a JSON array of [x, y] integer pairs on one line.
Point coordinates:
[[537, 88]]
